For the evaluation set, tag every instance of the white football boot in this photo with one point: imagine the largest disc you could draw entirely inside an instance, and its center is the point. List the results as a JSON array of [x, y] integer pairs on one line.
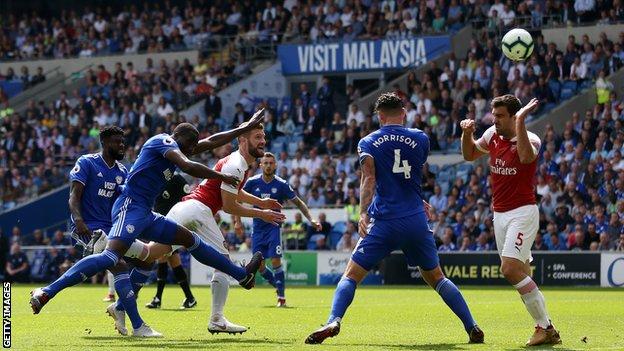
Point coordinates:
[[119, 317], [222, 325], [145, 331]]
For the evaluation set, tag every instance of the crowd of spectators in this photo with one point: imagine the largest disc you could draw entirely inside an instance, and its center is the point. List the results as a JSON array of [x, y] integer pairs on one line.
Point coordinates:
[[176, 25], [580, 178]]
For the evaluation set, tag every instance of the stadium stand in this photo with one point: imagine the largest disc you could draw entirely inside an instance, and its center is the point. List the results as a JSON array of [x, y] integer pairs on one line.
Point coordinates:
[[580, 178]]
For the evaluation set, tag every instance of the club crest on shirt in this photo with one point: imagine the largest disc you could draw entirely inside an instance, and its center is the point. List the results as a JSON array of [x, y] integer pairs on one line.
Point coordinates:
[[119, 179], [274, 190], [130, 228]]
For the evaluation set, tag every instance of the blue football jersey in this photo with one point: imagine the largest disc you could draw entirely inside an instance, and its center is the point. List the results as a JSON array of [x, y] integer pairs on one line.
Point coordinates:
[[277, 189], [102, 185], [151, 171], [399, 154]]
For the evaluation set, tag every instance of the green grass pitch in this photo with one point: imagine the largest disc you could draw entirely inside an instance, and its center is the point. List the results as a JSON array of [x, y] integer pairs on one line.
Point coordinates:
[[381, 318]]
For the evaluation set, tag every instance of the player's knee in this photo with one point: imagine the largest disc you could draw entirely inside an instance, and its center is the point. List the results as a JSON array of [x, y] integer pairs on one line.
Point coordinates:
[[121, 266], [432, 277], [276, 262], [510, 269]]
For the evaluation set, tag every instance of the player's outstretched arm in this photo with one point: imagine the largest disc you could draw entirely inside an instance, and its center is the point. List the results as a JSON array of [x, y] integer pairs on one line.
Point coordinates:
[[220, 139], [233, 207], [306, 212], [468, 145], [196, 169], [268, 203], [526, 152], [75, 208], [367, 190]]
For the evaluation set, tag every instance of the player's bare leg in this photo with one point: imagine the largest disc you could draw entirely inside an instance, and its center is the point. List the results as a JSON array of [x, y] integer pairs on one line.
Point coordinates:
[[345, 291], [518, 274], [454, 299]]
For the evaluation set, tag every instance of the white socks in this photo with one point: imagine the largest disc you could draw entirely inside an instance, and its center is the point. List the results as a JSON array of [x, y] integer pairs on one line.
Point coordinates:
[[220, 287], [534, 301], [111, 283]]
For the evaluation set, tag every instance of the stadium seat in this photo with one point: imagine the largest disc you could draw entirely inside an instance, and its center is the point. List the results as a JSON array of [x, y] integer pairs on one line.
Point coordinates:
[[555, 87], [340, 226], [334, 238], [292, 148], [568, 90]]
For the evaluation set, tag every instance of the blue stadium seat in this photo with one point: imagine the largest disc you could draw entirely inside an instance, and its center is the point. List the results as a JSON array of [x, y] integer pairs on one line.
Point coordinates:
[[434, 168], [277, 147], [334, 238], [340, 226], [568, 90], [292, 149], [555, 87], [272, 101]]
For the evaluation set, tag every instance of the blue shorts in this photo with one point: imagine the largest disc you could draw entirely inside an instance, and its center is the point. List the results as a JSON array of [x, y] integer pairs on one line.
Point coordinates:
[[410, 234], [269, 243], [132, 221]]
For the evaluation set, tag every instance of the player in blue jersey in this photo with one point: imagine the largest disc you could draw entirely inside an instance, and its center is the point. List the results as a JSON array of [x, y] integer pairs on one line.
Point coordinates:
[[266, 237], [95, 182], [133, 218], [394, 216]]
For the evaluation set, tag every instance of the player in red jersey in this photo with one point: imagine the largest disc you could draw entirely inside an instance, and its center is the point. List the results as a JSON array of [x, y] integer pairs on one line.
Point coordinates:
[[196, 213], [513, 161]]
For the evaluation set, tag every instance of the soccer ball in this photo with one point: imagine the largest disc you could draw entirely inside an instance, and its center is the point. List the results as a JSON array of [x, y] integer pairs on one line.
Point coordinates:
[[517, 44]]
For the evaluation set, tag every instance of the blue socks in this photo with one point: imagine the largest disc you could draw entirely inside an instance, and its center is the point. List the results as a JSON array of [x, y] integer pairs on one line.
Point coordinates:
[[127, 298], [454, 299], [345, 290], [268, 276], [82, 270], [207, 255], [279, 281], [137, 277]]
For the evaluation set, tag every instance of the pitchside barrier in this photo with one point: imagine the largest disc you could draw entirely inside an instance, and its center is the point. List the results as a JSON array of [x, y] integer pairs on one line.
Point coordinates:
[[604, 269]]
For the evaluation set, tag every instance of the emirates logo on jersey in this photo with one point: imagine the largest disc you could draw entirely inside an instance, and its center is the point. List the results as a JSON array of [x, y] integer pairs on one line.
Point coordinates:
[[499, 168]]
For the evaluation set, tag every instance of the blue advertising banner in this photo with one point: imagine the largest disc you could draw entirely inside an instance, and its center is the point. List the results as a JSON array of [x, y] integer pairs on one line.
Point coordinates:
[[357, 56]]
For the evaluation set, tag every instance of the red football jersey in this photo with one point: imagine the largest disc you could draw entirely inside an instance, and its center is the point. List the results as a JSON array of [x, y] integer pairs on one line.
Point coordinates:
[[513, 183], [209, 190]]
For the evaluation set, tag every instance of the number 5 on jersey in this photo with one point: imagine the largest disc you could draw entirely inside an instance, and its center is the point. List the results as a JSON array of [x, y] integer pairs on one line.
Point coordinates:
[[406, 169]]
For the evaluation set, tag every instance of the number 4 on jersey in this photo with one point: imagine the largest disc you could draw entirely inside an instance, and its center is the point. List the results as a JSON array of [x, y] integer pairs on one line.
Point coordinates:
[[406, 169]]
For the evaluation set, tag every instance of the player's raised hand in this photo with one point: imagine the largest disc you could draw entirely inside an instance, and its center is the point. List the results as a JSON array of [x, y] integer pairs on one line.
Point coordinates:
[[363, 225], [468, 126], [270, 204], [524, 112], [255, 119], [229, 179], [275, 218]]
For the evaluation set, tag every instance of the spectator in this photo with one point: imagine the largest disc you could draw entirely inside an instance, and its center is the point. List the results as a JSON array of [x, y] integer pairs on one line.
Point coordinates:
[[349, 238], [295, 234], [447, 241], [17, 267]]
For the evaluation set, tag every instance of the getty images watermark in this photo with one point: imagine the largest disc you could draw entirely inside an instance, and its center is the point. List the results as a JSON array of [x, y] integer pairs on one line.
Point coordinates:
[[6, 315]]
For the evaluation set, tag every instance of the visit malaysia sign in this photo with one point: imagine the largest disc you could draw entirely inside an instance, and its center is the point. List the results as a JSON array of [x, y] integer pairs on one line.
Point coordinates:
[[357, 56]]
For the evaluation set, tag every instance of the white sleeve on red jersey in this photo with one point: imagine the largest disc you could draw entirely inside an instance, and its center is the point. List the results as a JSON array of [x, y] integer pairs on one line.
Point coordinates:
[[484, 140], [233, 167], [535, 141]]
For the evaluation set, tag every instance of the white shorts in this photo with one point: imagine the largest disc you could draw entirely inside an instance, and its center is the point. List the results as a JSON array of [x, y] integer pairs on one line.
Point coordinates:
[[515, 232], [197, 217]]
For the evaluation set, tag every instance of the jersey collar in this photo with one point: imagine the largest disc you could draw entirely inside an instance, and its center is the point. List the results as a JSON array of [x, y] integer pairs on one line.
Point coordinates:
[[106, 164], [242, 159]]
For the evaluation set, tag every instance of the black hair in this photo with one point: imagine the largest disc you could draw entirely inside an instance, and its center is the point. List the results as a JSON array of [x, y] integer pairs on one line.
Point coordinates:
[[186, 129], [388, 102], [511, 102], [109, 131]]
